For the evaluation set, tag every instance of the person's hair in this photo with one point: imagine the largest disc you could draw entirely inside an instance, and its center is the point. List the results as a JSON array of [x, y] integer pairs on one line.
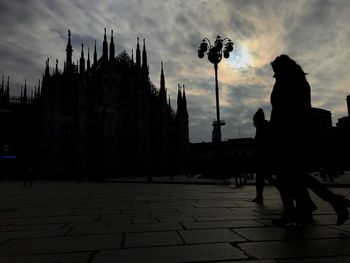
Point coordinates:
[[284, 64], [259, 116]]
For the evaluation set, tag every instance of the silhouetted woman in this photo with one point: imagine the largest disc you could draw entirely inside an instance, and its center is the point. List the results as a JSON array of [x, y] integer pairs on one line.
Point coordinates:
[[262, 155], [291, 130]]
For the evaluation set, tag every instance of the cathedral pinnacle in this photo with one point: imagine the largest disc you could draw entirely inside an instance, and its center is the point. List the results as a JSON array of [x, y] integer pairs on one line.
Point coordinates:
[[162, 91], [47, 68], [144, 56], [82, 59], [2, 87], [56, 71], [69, 52], [111, 47], [105, 47], [138, 54], [95, 54], [8, 87], [88, 59]]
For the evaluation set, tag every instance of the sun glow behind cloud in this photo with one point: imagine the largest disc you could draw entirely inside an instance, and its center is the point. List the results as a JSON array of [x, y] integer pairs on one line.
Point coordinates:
[[240, 58]]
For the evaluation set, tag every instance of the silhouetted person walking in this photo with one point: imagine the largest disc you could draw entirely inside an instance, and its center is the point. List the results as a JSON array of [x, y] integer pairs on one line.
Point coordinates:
[[262, 155], [291, 129], [291, 117]]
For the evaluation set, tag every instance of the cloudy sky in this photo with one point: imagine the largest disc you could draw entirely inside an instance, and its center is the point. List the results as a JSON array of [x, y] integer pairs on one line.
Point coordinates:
[[314, 33]]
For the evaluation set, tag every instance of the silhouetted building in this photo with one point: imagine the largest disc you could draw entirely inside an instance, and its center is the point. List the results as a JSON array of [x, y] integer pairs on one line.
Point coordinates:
[[19, 129], [106, 118], [236, 157], [343, 139], [323, 139]]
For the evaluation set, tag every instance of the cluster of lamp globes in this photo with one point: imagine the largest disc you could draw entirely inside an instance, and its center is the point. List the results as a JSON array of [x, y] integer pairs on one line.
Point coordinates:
[[215, 52]]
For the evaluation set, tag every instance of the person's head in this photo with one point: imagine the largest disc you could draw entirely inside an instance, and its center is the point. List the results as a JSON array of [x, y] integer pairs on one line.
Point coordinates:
[[259, 117], [284, 65]]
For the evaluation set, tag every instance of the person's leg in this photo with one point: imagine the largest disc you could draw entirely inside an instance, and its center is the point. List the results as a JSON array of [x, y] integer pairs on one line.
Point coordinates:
[[304, 204], [259, 181], [287, 202], [339, 202]]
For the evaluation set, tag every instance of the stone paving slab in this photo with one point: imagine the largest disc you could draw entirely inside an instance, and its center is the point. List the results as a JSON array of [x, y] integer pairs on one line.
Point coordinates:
[[281, 233], [344, 259], [127, 228], [152, 239], [297, 248], [52, 258], [54, 220], [60, 244], [222, 224], [112, 222], [200, 236], [188, 253]]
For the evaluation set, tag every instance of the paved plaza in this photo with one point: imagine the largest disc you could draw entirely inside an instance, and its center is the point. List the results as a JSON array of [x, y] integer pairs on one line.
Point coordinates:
[[139, 222]]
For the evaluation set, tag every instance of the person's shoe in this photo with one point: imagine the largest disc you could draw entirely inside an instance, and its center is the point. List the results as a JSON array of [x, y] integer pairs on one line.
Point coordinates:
[[340, 206], [285, 220], [258, 200]]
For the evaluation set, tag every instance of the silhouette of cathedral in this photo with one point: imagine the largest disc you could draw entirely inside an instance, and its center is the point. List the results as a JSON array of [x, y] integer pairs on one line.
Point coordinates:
[[104, 117]]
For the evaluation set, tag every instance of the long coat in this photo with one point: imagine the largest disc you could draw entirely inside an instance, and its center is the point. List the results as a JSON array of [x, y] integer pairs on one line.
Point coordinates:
[[291, 121]]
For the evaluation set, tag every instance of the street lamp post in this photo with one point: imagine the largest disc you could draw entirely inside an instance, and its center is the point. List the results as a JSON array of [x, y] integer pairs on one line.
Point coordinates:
[[215, 53]]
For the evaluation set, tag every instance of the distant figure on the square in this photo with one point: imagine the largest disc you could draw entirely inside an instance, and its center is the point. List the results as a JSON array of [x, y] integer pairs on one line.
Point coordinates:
[[28, 177], [262, 155]]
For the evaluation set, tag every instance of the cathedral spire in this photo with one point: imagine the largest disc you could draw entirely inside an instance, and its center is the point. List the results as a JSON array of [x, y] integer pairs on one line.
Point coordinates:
[[56, 71], [179, 101], [105, 47], [144, 56], [95, 54], [184, 101], [184, 94], [69, 52], [88, 59], [138, 54], [162, 91], [47, 68], [25, 92], [82, 59], [132, 56], [111, 47], [2, 87], [8, 88]]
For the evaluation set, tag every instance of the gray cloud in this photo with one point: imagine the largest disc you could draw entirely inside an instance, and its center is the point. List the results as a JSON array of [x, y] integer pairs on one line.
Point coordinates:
[[315, 33]]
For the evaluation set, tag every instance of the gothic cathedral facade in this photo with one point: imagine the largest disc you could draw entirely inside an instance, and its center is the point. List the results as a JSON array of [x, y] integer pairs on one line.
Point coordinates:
[[105, 117]]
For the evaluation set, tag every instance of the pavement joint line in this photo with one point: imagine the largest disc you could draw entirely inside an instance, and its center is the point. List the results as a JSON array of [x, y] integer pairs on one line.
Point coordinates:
[[181, 237], [246, 239], [93, 253], [69, 230], [235, 245], [122, 243], [334, 227]]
